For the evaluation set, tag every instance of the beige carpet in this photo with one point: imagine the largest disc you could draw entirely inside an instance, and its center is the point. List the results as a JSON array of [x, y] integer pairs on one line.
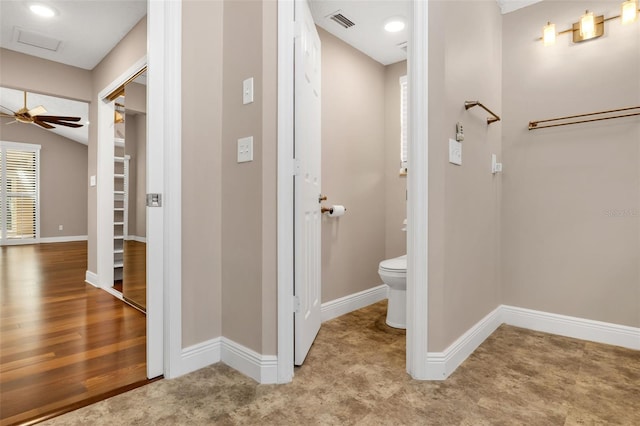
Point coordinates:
[[355, 374]]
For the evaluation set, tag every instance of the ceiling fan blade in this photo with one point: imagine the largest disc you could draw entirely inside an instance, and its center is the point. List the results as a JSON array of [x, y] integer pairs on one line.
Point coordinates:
[[43, 124], [10, 110], [74, 125], [37, 111], [57, 118], [60, 123], [2, 114]]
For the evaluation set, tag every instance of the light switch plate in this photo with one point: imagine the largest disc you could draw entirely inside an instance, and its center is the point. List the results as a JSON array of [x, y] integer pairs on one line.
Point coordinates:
[[92, 180], [455, 152], [247, 91], [245, 149]]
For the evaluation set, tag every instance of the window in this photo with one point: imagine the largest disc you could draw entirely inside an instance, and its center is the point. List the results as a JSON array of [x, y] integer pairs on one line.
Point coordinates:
[[19, 193], [403, 124]]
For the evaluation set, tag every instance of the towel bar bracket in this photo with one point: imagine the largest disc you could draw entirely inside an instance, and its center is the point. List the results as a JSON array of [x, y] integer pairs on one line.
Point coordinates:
[[471, 104]]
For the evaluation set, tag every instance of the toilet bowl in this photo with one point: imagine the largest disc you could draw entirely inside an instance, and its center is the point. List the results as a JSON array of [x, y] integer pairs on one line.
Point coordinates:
[[393, 273]]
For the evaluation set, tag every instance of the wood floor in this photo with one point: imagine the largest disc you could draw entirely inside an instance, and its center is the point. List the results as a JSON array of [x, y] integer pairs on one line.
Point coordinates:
[[63, 343]]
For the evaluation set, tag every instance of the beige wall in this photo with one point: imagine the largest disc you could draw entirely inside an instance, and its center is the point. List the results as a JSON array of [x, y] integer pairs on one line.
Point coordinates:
[[131, 48], [24, 72], [201, 171], [395, 185], [353, 158], [63, 177], [248, 189], [571, 204], [464, 64]]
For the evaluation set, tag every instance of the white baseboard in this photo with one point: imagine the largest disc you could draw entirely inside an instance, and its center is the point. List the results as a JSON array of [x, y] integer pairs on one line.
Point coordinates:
[[199, 356], [136, 238], [91, 278], [577, 328], [440, 365], [67, 239], [353, 302], [261, 368]]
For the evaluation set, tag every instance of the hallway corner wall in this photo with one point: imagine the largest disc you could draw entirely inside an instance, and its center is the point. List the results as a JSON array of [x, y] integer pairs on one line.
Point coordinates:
[[201, 171], [464, 201]]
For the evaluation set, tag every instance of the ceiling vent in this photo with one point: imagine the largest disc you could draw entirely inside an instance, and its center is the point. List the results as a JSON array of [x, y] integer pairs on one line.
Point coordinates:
[[341, 20], [402, 46], [36, 40]]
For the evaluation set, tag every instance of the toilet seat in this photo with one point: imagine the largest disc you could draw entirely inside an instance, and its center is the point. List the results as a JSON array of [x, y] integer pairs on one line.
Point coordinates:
[[397, 264]]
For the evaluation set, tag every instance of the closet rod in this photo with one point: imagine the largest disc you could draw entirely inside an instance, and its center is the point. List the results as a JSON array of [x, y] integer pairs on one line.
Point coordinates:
[[471, 104], [533, 125]]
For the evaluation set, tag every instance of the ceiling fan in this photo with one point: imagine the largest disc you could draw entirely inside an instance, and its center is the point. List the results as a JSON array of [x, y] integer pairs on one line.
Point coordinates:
[[34, 115]]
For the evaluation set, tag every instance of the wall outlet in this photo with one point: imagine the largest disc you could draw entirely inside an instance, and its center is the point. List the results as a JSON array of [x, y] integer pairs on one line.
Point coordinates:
[[247, 91], [245, 149], [60, 227], [455, 152], [495, 166]]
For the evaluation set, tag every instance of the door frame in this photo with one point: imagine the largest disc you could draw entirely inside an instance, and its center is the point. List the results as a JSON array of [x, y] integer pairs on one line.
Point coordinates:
[[164, 273], [417, 186]]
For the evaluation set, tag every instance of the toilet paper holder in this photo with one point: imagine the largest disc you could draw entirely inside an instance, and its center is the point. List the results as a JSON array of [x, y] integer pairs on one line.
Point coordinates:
[[329, 210]]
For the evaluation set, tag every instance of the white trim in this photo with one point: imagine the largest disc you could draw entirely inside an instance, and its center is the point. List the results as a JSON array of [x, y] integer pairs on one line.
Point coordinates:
[[353, 302], [115, 293], [577, 328], [200, 355], [261, 368], [91, 278], [164, 175], [32, 147], [104, 223], [136, 238], [418, 195], [286, 32], [66, 239], [440, 365]]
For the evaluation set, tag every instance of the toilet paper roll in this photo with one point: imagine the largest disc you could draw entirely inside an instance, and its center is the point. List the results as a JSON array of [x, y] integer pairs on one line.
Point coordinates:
[[337, 210]]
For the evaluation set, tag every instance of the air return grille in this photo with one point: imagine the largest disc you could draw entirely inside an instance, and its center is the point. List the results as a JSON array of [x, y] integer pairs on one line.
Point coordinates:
[[341, 20]]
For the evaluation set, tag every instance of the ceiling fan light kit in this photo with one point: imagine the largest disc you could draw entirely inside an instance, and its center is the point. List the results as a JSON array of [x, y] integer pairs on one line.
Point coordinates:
[[35, 116]]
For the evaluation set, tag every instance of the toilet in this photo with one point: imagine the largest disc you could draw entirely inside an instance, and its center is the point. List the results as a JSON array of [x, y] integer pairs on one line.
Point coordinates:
[[393, 273]]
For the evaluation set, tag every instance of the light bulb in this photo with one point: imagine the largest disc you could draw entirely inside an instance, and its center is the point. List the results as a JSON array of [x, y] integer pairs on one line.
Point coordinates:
[[587, 25], [629, 11], [393, 25], [42, 10], [549, 34]]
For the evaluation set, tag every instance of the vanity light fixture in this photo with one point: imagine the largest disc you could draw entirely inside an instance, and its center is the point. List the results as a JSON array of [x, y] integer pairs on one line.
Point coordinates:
[[42, 10], [591, 26], [629, 11]]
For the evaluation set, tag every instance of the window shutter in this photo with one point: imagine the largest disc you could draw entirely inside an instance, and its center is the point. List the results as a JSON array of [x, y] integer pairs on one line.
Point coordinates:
[[403, 123], [19, 210]]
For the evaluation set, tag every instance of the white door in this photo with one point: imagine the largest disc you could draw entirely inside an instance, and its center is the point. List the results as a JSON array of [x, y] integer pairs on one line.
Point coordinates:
[[307, 182]]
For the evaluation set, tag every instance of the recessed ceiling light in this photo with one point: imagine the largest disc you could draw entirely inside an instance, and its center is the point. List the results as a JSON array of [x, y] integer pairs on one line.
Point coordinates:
[[393, 25], [42, 10]]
